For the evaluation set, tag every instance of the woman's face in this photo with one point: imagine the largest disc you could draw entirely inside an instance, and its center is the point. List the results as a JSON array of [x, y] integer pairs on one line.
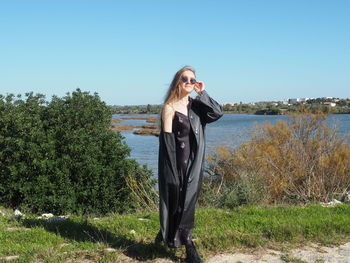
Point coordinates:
[[187, 82]]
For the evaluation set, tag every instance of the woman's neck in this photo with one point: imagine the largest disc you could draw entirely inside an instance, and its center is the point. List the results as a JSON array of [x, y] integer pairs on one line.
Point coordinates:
[[184, 97], [183, 100]]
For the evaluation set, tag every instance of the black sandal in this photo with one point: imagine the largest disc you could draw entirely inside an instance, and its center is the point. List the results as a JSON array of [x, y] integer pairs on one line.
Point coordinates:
[[192, 255], [159, 238]]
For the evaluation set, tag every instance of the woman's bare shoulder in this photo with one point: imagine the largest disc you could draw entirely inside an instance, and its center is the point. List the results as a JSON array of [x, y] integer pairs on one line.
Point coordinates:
[[167, 117], [168, 110]]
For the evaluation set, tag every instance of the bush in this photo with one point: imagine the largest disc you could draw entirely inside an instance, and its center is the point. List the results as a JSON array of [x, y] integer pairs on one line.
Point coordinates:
[[245, 189], [60, 156], [300, 160]]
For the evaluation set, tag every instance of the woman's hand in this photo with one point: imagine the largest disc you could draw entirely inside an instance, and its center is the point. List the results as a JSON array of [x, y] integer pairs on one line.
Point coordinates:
[[199, 86]]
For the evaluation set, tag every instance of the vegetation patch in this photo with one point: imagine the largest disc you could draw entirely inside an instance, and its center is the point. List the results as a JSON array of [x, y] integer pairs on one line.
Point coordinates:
[[302, 160], [129, 237], [60, 156]]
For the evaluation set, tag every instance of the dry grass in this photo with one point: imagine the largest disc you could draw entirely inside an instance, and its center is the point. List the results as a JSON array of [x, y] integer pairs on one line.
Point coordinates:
[[141, 130], [303, 159], [123, 127], [116, 121]]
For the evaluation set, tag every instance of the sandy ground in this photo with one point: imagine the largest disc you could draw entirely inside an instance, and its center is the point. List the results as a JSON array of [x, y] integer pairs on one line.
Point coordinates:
[[311, 254]]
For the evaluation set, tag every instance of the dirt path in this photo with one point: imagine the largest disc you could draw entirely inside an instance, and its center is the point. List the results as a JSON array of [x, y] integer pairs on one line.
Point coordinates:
[[310, 254]]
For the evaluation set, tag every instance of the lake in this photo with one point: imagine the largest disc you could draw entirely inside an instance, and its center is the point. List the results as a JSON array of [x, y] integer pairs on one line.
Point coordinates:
[[230, 130]]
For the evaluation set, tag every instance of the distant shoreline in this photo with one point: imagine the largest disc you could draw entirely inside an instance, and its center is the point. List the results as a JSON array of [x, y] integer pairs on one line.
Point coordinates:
[[151, 129]]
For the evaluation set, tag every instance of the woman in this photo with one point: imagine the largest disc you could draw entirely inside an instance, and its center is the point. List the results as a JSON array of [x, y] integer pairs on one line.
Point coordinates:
[[181, 157]]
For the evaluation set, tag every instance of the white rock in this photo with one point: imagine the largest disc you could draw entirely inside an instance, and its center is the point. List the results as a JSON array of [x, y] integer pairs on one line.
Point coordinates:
[[49, 215], [336, 201], [109, 249], [331, 203], [143, 219], [132, 231], [2, 213], [346, 197], [18, 213], [9, 258]]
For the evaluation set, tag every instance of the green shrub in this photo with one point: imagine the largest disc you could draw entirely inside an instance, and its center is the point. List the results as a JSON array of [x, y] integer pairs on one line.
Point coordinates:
[[60, 156], [246, 189]]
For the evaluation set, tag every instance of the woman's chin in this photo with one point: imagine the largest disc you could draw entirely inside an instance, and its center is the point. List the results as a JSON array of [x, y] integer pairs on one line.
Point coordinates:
[[189, 90]]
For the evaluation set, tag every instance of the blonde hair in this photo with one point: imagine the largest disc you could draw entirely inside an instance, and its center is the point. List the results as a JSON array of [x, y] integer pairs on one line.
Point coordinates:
[[173, 92]]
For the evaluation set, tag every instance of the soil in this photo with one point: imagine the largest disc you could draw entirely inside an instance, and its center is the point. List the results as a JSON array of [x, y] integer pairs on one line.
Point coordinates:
[[312, 253]]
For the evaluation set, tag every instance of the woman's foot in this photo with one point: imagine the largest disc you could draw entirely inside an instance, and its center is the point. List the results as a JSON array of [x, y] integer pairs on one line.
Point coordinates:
[[192, 255], [158, 238]]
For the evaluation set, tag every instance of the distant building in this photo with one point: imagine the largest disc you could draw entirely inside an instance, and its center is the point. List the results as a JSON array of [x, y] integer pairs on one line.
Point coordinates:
[[293, 101], [331, 104], [298, 100]]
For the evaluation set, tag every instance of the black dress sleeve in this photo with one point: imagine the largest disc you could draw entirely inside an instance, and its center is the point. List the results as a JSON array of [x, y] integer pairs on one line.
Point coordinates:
[[208, 108]]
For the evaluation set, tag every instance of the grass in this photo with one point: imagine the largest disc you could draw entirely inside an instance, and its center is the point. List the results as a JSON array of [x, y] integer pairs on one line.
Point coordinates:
[[129, 238]]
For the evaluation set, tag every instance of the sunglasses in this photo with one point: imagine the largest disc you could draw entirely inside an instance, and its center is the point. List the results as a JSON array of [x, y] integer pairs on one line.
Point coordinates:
[[185, 80]]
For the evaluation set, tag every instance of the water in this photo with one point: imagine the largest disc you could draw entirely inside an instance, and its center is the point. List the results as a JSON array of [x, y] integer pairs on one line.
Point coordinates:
[[230, 130]]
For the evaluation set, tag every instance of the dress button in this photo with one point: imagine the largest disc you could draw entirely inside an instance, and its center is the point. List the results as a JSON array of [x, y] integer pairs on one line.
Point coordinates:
[[182, 145], [178, 133], [196, 131]]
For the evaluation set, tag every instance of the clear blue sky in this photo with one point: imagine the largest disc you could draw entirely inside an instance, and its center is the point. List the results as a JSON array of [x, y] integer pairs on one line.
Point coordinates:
[[128, 51]]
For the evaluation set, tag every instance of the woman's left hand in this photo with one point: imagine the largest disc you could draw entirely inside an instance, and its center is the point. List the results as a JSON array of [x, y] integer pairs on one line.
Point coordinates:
[[199, 86]]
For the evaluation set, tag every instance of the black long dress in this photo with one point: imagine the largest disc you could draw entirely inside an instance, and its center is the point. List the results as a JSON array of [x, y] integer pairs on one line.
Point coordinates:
[[177, 210], [179, 232]]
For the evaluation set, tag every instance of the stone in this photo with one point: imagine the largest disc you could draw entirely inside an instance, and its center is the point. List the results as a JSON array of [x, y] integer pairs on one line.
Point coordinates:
[[18, 213], [49, 215], [143, 219], [109, 249], [346, 197], [334, 202], [9, 258]]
